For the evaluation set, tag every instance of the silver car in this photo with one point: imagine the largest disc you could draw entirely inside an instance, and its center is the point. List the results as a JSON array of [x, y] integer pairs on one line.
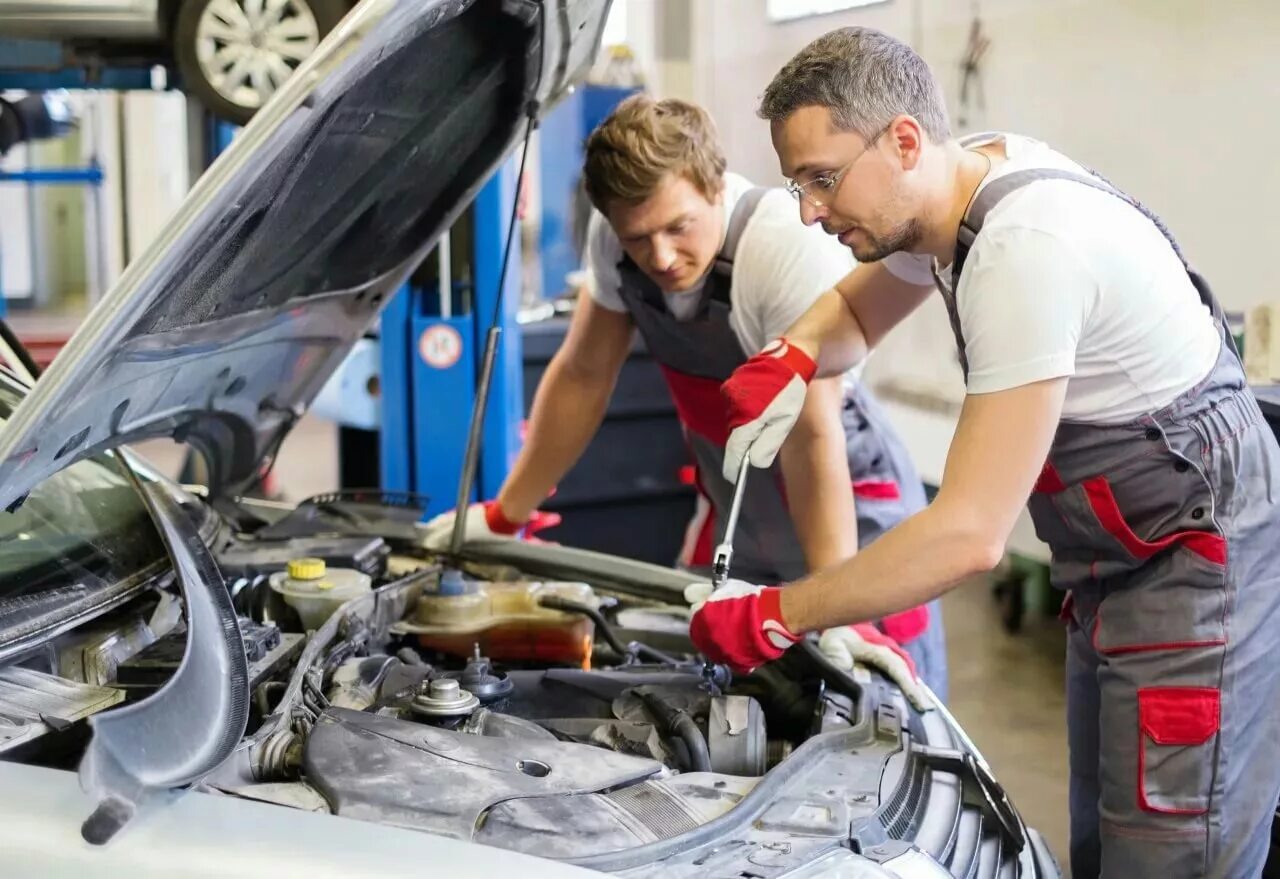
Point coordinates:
[[227, 687], [231, 54]]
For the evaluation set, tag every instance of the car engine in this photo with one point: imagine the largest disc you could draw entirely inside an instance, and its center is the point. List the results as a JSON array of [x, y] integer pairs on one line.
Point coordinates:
[[539, 699]]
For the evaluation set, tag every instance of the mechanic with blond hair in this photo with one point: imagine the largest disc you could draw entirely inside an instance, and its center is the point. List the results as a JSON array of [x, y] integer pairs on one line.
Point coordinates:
[[708, 267]]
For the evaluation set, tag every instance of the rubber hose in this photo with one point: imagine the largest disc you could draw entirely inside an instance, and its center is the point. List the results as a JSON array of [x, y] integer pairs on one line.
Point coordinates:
[[677, 723], [554, 602], [694, 740]]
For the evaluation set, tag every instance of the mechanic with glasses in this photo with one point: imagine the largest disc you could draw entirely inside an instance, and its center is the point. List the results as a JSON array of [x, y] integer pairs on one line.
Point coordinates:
[[709, 267], [1104, 390]]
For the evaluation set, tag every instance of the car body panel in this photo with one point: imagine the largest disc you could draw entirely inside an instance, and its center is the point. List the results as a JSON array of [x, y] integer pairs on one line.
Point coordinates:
[[226, 328], [199, 835]]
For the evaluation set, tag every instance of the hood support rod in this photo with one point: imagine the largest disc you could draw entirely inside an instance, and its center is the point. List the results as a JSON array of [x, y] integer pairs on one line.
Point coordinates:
[[471, 457]]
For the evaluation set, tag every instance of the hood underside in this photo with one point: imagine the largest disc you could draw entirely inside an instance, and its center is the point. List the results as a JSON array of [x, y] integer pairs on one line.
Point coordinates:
[[226, 328]]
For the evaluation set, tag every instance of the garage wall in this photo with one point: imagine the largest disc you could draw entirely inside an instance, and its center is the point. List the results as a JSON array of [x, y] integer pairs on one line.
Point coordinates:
[[1172, 99]]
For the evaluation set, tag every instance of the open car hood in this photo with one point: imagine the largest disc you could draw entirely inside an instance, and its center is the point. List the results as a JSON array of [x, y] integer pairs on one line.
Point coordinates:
[[226, 328]]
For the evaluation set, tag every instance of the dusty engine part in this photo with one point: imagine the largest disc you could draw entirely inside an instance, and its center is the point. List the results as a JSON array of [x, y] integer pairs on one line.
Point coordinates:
[[356, 683], [443, 699], [268, 650], [480, 679], [504, 726], [383, 769], [736, 737], [33, 704]]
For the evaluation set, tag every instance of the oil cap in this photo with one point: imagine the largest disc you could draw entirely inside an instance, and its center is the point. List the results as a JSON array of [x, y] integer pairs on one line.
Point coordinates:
[[306, 569]]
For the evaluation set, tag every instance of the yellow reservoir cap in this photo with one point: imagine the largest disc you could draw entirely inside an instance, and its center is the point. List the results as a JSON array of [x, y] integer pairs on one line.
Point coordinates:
[[306, 569]]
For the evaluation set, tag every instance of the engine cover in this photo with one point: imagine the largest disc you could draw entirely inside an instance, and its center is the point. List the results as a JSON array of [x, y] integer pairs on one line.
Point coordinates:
[[397, 772]]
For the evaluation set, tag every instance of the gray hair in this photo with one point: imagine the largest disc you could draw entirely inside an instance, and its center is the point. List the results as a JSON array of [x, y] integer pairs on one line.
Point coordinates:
[[865, 78]]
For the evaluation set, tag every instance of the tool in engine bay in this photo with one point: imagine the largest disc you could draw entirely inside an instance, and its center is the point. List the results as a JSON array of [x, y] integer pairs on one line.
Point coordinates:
[[724, 551]]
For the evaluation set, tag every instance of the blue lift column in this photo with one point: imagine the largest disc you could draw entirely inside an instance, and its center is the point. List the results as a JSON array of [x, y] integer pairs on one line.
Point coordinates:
[[431, 361]]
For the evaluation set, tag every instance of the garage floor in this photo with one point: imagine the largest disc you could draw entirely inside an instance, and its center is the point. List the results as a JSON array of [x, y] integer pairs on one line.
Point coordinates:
[[1006, 690]]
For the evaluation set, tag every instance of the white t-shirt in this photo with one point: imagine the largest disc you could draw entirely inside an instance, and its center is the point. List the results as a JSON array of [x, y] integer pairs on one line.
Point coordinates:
[[1065, 280], [780, 268]]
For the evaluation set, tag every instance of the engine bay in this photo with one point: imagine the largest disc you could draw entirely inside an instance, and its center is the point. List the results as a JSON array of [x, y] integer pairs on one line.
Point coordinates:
[[537, 699]]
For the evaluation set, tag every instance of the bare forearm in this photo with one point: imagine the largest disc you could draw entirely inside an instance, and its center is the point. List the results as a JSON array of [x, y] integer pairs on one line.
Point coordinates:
[[815, 465], [830, 334], [824, 539], [911, 564], [567, 410]]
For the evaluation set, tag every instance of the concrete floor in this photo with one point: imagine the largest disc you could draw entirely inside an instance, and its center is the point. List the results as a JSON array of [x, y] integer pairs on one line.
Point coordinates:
[[1006, 690], [1008, 693]]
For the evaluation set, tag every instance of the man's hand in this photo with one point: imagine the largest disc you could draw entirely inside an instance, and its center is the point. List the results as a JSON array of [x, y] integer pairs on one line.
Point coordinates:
[[738, 625], [764, 397], [866, 644], [484, 520]]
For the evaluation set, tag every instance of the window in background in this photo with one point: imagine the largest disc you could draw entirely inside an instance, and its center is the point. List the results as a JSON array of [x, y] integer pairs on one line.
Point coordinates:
[[785, 10]]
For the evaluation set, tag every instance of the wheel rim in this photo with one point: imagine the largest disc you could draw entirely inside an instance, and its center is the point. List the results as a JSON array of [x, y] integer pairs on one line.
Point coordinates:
[[248, 48]]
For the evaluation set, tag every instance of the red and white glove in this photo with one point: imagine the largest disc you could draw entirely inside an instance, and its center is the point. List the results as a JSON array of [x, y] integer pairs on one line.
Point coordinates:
[[764, 397], [866, 644], [739, 625], [484, 520]]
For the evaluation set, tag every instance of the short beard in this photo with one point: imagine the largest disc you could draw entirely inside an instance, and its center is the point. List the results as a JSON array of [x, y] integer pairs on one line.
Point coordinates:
[[904, 236]]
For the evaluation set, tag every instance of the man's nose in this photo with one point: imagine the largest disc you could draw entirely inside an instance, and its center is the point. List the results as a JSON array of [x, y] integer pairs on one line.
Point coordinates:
[[811, 213], [664, 255]]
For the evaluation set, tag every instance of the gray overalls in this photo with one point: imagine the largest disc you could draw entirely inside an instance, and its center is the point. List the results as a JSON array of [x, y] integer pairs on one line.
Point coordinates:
[[1166, 533], [696, 356]]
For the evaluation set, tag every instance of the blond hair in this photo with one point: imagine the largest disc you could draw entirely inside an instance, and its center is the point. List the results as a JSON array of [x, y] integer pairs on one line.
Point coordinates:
[[642, 142]]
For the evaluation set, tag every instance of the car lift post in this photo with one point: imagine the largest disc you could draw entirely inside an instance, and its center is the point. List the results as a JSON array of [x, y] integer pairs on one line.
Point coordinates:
[[430, 360]]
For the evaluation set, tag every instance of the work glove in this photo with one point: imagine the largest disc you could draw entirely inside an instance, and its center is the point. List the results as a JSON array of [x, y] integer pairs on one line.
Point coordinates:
[[866, 644], [739, 625], [763, 400], [484, 520]]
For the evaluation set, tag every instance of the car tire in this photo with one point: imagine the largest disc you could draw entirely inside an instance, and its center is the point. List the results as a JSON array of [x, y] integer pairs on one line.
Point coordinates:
[[239, 38]]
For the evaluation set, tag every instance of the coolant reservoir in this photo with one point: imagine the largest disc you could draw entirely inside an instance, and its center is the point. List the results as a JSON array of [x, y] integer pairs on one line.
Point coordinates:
[[315, 591], [507, 621]]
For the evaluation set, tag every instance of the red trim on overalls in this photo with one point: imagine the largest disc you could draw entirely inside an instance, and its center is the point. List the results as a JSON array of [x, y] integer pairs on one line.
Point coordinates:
[[877, 489], [1178, 716], [699, 405], [1209, 546]]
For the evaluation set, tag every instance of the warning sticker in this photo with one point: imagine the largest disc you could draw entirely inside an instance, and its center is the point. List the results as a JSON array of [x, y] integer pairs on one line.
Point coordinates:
[[440, 346]]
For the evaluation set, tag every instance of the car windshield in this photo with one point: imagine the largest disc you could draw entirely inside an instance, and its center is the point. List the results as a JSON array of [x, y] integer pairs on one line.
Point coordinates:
[[82, 528]]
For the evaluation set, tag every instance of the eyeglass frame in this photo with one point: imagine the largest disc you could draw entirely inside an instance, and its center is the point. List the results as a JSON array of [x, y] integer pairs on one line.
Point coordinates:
[[834, 179]]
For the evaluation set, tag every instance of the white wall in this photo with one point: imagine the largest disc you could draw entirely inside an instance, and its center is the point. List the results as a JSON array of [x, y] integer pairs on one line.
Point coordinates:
[[1174, 100]]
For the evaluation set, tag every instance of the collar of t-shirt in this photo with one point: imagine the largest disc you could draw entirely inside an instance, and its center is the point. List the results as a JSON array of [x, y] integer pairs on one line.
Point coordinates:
[[1020, 152], [684, 303]]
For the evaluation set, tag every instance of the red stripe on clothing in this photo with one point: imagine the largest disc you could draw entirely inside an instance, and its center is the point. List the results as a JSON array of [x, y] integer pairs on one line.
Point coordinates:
[[699, 405], [1049, 482], [1209, 546], [877, 489]]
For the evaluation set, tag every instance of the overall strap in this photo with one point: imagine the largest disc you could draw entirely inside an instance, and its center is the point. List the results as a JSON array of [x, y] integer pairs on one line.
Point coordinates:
[[742, 213]]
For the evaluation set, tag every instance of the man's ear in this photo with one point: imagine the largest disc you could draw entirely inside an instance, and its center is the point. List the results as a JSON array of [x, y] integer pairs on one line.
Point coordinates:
[[907, 137]]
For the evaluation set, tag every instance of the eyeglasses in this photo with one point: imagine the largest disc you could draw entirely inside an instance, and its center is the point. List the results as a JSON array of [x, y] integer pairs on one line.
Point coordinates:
[[822, 189]]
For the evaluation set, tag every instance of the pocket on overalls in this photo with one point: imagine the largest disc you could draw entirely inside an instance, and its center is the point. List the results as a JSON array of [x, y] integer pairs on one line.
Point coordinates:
[[1178, 729]]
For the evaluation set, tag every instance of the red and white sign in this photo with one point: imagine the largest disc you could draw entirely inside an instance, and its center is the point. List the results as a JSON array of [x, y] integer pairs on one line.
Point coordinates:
[[440, 346]]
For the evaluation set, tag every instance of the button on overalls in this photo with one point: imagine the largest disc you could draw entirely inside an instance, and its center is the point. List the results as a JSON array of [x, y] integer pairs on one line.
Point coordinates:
[[696, 356], [1166, 533]]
